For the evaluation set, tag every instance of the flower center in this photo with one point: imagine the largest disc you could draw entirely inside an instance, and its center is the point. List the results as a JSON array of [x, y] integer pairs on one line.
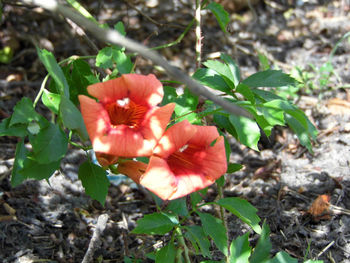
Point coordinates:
[[185, 157], [126, 112]]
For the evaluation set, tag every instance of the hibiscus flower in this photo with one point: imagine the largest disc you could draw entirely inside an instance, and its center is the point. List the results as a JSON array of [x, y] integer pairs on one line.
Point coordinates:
[[125, 120], [187, 158]]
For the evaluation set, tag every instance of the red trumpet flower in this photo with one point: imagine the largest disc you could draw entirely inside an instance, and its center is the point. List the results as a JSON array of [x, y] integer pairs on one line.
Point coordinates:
[[187, 158], [125, 121]]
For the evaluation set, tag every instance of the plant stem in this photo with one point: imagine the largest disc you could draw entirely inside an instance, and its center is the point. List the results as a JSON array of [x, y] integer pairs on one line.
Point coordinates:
[[198, 33], [178, 40], [183, 244]]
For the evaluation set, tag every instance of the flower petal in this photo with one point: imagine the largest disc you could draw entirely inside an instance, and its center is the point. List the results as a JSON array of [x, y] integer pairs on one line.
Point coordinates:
[[109, 91], [174, 138], [106, 159], [159, 179], [132, 169], [144, 88], [156, 122]]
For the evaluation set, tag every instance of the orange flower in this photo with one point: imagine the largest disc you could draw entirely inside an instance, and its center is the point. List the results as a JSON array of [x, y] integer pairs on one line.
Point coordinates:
[[125, 121], [188, 158]]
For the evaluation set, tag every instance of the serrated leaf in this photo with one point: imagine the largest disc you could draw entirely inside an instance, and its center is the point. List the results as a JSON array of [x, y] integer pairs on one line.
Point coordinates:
[[199, 239], [282, 257], [240, 250], [243, 210], [233, 67], [166, 254], [269, 78], [223, 70], [262, 250], [35, 170], [212, 79], [178, 206], [20, 156], [24, 112], [72, 117], [234, 167], [54, 70], [94, 180], [50, 144], [215, 229], [19, 130], [248, 132], [274, 116], [154, 224], [220, 13]]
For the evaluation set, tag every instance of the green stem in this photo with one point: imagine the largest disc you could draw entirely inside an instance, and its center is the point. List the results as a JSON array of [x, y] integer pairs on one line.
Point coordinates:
[[183, 244], [178, 40]]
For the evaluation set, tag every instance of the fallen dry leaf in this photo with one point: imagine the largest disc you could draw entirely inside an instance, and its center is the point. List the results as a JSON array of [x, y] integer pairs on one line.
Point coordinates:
[[319, 208], [338, 106]]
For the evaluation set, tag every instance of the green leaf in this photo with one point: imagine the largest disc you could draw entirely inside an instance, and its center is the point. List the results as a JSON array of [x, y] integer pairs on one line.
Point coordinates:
[[243, 210], [24, 112], [50, 144], [273, 115], [166, 254], [94, 180], [224, 123], [248, 132], [72, 117], [282, 257], [221, 181], [223, 70], [216, 230], [233, 167], [246, 92], [169, 95], [154, 224], [220, 13], [81, 77], [20, 156], [240, 250], [233, 67], [262, 250], [199, 239], [33, 128], [186, 104], [124, 64], [269, 78], [300, 131], [212, 79], [178, 206], [54, 70], [104, 58], [120, 28], [35, 170], [196, 197], [313, 261], [19, 130], [264, 61], [51, 100]]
